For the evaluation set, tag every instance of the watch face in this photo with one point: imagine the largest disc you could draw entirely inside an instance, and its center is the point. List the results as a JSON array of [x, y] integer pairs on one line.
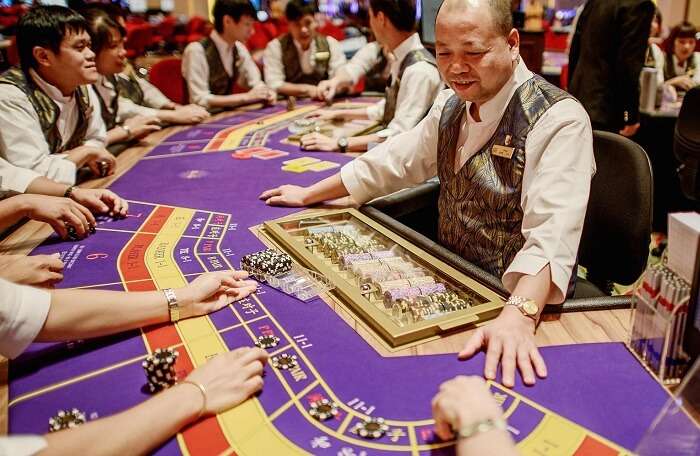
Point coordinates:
[[530, 307], [343, 142]]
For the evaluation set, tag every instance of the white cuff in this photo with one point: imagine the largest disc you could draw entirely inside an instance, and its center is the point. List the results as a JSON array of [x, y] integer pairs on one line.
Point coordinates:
[[352, 184], [529, 264]]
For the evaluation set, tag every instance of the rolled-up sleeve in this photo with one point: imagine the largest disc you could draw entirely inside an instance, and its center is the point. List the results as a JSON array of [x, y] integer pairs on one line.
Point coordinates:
[[96, 134], [249, 73], [22, 142], [403, 161], [23, 311], [338, 59], [195, 70], [14, 179], [273, 66], [559, 166]]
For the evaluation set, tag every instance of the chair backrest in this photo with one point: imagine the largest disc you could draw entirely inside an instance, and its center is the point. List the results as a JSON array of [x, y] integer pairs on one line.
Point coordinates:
[[686, 143], [167, 76], [138, 38], [616, 232]]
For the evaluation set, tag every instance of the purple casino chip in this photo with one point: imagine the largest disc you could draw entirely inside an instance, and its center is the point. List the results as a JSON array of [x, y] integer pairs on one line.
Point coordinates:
[[431, 288]]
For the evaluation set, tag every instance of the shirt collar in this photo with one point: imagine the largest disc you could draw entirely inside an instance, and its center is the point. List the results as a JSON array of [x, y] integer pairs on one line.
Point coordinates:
[[301, 50], [493, 109], [409, 44], [221, 45], [52, 91]]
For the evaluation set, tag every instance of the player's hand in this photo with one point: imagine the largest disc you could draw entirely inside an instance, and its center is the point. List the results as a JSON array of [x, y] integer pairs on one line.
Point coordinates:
[[683, 82], [101, 201], [327, 89], [285, 195], [185, 115], [58, 212], [211, 291], [228, 379], [141, 126], [630, 130], [37, 270], [326, 114], [461, 402], [317, 141], [510, 339]]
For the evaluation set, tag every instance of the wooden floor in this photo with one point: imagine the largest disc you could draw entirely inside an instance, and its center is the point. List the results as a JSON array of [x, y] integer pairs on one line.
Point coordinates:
[[555, 329]]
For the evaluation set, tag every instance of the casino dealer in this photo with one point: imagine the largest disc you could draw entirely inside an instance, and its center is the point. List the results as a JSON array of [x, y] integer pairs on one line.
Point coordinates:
[[480, 137], [30, 314]]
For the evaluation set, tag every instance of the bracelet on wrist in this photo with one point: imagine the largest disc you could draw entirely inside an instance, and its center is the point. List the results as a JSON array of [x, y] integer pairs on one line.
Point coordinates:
[[202, 390], [69, 191], [480, 427]]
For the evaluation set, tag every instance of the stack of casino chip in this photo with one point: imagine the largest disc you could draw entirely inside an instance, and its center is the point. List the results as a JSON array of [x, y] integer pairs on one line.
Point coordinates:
[[267, 262], [371, 428], [160, 369], [66, 419], [323, 409]]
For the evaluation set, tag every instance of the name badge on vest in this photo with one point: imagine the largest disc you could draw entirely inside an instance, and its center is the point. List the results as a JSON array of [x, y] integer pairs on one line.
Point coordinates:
[[322, 56], [504, 151]]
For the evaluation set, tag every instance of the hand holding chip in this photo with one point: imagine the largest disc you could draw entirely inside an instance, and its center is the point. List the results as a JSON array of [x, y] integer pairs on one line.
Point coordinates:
[[212, 291], [101, 201]]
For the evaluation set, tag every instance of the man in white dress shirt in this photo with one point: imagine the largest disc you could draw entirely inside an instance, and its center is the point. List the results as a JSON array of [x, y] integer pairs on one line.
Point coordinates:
[[412, 87], [49, 121], [214, 65], [515, 159], [297, 61]]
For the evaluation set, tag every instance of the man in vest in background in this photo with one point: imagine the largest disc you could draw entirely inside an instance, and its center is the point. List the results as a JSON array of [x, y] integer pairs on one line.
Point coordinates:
[[514, 156], [297, 61], [413, 84], [214, 65], [49, 118]]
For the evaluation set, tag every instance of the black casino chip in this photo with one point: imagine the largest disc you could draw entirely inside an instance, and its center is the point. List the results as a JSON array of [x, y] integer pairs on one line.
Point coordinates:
[[66, 419], [268, 341], [371, 428], [284, 361], [323, 410]]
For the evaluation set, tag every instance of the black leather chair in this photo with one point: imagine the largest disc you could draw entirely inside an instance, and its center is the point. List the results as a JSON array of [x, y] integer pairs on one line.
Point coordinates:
[[686, 144], [615, 240]]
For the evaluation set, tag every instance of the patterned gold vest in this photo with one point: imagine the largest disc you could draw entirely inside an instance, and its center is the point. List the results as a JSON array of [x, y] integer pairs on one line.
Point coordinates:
[[128, 85], [480, 216], [292, 66], [111, 112], [48, 112], [391, 94], [220, 83]]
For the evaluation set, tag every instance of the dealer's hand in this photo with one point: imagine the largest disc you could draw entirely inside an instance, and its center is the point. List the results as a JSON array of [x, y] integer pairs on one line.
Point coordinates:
[[461, 402], [327, 89], [319, 142], [190, 114], [228, 379], [141, 126], [510, 339], [326, 114], [212, 291], [58, 212], [285, 195], [262, 93], [101, 201], [37, 270]]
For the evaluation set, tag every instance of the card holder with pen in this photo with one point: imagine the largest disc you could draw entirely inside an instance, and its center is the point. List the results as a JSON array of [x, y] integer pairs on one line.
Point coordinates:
[[659, 313]]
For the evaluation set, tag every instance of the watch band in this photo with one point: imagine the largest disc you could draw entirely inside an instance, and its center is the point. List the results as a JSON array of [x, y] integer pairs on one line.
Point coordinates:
[[129, 133], [343, 144], [173, 308], [480, 427]]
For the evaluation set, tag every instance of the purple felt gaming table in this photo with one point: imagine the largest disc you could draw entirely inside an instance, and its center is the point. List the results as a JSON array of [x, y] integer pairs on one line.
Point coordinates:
[[192, 203]]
